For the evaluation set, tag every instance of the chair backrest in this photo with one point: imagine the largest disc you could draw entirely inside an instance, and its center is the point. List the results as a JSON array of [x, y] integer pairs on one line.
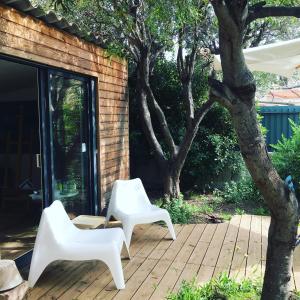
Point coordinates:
[[129, 196], [55, 222]]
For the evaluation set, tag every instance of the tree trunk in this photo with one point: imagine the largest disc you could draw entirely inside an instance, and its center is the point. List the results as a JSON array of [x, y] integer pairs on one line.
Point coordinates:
[[281, 201], [281, 242], [237, 93], [171, 184]]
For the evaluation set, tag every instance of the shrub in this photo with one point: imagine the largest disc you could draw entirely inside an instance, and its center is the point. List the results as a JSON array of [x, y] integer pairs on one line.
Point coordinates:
[[180, 211], [219, 288], [213, 154], [287, 155], [213, 159], [241, 191], [244, 195]]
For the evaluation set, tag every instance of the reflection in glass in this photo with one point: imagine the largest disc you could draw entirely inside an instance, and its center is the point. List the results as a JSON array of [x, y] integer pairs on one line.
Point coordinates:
[[69, 143]]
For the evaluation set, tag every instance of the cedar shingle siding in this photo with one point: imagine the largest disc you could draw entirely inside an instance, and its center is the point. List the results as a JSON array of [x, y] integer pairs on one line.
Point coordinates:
[[25, 37]]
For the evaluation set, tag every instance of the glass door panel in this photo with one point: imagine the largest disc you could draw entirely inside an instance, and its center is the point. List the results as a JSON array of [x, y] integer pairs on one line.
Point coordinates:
[[69, 142]]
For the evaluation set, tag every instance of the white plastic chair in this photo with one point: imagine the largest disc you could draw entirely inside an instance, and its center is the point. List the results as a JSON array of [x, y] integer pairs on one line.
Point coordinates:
[[130, 204], [59, 239]]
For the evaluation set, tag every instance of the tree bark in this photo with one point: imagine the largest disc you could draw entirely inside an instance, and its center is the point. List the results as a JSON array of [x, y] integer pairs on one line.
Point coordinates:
[[172, 166], [171, 183], [237, 93], [281, 243], [282, 203]]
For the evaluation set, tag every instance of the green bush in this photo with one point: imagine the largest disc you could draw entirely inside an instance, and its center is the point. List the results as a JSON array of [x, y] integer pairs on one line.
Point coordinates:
[[180, 211], [220, 288], [213, 160], [245, 195], [214, 153], [241, 191], [286, 156]]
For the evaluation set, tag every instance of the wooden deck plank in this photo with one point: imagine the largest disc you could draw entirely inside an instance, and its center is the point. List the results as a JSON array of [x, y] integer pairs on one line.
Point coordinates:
[[201, 247], [213, 251], [168, 281], [54, 274], [165, 243], [205, 273], [159, 264], [265, 223], [189, 272], [190, 244], [296, 267], [227, 250], [136, 280], [104, 279], [238, 266], [67, 282], [107, 289], [254, 259], [175, 247], [85, 281], [160, 233], [184, 250], [109, 292], [152, 280]]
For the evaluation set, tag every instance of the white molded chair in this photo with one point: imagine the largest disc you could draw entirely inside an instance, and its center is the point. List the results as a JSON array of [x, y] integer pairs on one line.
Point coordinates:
[[130, 204], [59, 239]]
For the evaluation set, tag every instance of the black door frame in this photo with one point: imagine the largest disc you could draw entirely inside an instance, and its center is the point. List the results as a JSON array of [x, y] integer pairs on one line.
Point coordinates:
[[43, 104], [90, 108]]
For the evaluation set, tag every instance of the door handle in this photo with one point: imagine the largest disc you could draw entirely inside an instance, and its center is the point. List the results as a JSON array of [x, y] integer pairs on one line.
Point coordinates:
[[38, 160]]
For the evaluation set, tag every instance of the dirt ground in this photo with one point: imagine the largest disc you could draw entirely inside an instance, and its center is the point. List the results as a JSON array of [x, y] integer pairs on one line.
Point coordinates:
[[212, 209]]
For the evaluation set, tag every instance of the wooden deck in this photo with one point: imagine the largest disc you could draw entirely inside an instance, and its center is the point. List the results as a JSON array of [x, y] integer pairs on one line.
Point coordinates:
[[159, 265]]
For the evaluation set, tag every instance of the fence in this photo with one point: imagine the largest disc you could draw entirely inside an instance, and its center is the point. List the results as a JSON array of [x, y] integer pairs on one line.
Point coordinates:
[[276, 120]]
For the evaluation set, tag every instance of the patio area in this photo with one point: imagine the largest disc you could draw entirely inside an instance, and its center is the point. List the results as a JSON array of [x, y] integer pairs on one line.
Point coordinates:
[[158, 264]]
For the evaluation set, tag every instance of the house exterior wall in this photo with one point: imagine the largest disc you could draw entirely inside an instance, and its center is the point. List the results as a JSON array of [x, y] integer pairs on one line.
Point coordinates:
[[25, 37]]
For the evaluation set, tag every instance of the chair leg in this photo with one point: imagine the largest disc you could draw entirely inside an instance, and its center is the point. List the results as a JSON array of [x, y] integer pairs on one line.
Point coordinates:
[[128, 229], [36, 269], [170, 227], [115, 267], [127, 249], [107, 218]]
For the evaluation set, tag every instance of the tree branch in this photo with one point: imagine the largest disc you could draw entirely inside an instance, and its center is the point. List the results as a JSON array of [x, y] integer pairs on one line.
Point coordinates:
[[148, 128], [191, 132], [161, 120], [224, 15], [222, 93], [180, 52], [259, 12]]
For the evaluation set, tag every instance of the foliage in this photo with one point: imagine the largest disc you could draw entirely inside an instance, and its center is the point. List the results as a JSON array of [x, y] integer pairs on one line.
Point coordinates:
[[285, 158], [213, 159], [244, 194], [241, 191], [263, 129], [287, 155], [180, 211], [214, 148], [219, 288], [266, 82]]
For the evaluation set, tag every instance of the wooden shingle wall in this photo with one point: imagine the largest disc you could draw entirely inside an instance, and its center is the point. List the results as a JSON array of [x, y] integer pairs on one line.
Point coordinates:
[[25, 37]]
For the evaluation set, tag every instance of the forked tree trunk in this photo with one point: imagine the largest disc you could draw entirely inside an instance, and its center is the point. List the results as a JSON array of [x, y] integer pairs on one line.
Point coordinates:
[[171, 184], [171, 167]]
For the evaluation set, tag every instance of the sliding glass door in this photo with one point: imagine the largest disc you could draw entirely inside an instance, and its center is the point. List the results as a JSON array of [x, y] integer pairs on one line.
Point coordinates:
[[70, 150]]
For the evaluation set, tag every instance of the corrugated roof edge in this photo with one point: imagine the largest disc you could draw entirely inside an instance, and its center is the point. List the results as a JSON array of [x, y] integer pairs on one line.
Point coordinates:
[[51, 18]]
